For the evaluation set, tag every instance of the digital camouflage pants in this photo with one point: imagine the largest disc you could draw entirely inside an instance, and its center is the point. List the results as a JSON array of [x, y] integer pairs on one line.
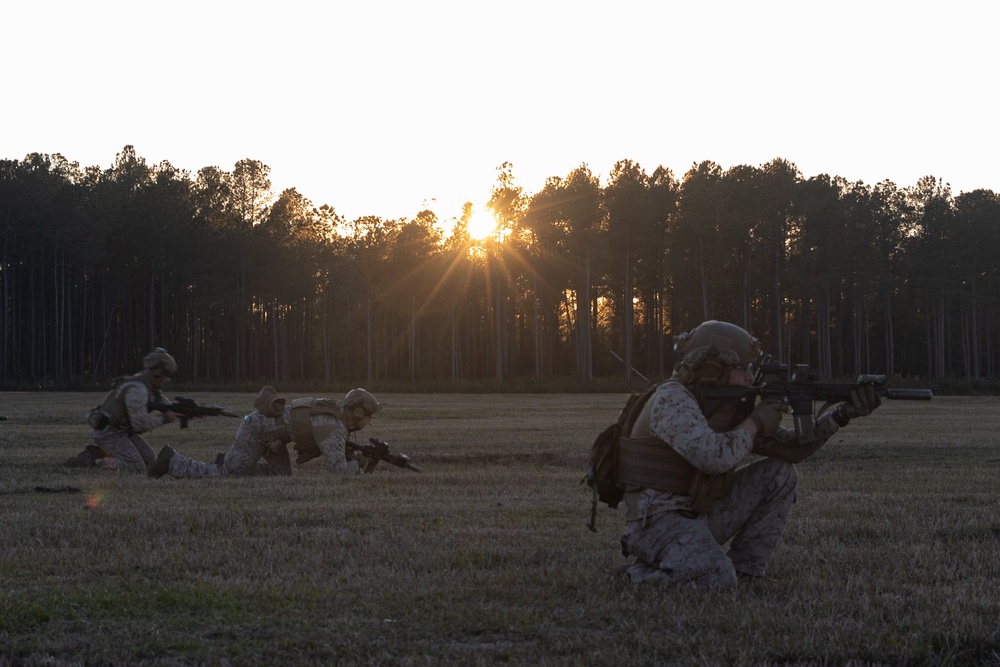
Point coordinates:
[[678, 546], [125, 451], [248, 455]]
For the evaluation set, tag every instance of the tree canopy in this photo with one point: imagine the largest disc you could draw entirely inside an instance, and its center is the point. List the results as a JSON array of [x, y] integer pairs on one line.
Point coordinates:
[[580, 279]]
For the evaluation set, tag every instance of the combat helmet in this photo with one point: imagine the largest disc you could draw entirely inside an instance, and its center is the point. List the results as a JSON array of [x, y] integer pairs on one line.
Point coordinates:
[[709, 350], [159, 362], [360, 403]]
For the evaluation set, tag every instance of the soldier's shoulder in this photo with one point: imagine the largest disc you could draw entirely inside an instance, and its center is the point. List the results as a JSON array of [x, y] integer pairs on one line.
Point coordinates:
[[130, 382], [673, 390], [671, 395]]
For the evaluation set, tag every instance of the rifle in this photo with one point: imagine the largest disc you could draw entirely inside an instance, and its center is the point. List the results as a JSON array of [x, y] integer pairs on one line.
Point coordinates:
[[377, 451], [799, 389], [188, 409]]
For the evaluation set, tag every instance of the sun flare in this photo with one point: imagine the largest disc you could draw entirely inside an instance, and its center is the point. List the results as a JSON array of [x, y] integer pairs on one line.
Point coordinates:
[[482, 224]]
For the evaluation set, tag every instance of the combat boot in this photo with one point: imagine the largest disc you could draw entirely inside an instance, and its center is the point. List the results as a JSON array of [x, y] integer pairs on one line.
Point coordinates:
[[161, 466], [96, 452], [82, 460]]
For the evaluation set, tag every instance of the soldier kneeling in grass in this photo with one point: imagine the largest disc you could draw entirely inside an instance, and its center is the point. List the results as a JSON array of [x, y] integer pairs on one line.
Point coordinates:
[[124, 414], [317, 426], [686, 499]]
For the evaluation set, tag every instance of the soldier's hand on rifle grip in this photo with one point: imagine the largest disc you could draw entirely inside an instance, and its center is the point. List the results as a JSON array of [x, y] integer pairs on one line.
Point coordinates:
[[864, 401], [169, 416], [767, 417]]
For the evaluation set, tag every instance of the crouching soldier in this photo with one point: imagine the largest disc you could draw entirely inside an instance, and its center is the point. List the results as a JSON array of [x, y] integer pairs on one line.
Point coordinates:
[[694, 514], [124, 414], [317, 426]]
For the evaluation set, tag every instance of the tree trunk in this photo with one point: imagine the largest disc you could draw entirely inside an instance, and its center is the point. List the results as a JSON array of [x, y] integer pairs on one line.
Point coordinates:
[[629, 316]]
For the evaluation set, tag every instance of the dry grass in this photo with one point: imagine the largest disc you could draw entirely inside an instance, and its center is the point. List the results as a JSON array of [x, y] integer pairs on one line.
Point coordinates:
[[891, 556]]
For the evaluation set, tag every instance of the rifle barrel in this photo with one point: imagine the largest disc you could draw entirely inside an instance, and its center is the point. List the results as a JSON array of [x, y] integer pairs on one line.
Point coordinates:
[[909, 394]]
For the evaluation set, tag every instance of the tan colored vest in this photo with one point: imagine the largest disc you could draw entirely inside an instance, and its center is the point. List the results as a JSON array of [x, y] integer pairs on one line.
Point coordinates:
[[307, 435], [646, 462], [112, 411]]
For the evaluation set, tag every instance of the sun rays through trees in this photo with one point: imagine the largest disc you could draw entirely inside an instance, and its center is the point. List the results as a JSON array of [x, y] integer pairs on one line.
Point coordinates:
[[578, 279]]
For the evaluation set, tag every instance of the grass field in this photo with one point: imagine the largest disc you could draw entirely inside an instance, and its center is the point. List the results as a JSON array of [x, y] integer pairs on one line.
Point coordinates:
[[891, 556]]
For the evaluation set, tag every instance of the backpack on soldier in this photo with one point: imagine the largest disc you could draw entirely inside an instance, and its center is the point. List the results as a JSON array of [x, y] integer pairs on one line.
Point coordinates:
[[603, 458]]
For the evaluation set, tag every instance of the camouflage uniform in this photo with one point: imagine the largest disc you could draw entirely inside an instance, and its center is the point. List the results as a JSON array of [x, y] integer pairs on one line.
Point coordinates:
[[243, 458], [670, 542], [125, 449], [262, 436], [334, 445], [124, 413]]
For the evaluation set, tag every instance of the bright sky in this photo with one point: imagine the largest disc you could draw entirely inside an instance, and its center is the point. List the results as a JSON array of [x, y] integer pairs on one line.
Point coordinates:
[[380, 107]]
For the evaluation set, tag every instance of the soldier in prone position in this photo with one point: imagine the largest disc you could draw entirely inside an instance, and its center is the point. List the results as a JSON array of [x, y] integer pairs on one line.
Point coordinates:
[[685, 496], [116, 424], [317, 426]]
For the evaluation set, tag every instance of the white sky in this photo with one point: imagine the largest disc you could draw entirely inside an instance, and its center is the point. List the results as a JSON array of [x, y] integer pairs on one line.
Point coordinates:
[[382, 107]]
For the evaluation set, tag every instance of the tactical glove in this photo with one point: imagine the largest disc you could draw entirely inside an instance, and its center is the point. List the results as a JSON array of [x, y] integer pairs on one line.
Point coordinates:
[[863, 402], [767, 417]]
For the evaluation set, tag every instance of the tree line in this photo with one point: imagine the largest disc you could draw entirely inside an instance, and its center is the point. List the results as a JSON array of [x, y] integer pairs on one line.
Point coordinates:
[[585, 280]]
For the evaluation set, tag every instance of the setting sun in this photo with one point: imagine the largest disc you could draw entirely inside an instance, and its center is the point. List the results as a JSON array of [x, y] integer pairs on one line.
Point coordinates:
[[482, 224]]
